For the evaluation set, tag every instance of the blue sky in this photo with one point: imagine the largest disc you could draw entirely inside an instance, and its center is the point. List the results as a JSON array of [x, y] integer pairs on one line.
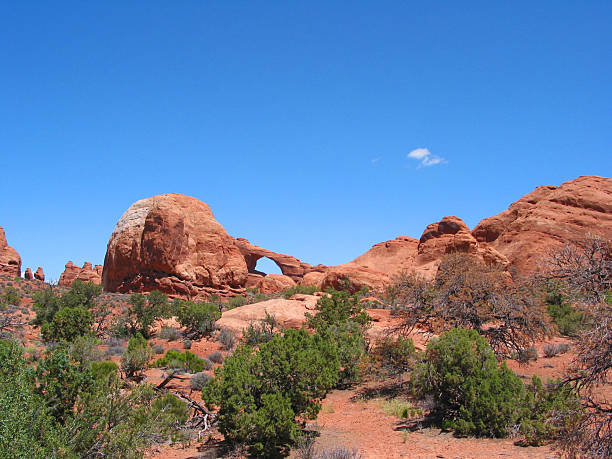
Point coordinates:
[[294, 121]]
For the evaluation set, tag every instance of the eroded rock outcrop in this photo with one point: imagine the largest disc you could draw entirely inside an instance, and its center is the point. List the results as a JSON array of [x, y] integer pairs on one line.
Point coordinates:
[[86, 273], [450, 235], [40, 274], [549, 217], [288, 313], [173, 243], [289, 266], [274, 283], [10, 261], [28, 274]]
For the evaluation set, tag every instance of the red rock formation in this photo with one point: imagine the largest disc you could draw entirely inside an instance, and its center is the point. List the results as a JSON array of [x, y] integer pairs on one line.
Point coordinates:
[[28, 274], [450, 235], [86, 274], [549, 217], [173, 243], [40, 274], [10, 261], [274, 283], [289, 266]]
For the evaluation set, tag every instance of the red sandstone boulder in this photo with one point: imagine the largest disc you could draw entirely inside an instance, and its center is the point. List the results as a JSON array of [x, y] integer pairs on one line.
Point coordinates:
[[447, 236], [274, 283], [10, 261], [73, 272], [28, 274], [288, 313], [355, 278], [549, 217], [173, 243], [40, 274], [314, 278]]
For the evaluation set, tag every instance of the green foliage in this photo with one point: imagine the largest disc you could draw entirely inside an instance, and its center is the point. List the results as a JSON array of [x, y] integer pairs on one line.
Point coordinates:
[[81, 294], [236, 302], [199, 380], [84, 350], [260, 392], [227, 339], [260, 332], [472, 394], [348, 338], [26, 429], [104, 370], [549, 411], [198, 318], [68, 324], [144, 310], [62, 410], [336, 307], [182, 360], [111, 422], [136, 357], [569, 321], [60, 381], [342, 319], [11, 296], [393, 356], [303, 289], [46, 304], [68, 316]]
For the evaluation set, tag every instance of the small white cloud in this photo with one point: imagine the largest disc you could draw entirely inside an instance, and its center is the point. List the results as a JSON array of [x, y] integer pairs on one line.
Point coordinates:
[[425, 157], [374, 160], [419, 153]]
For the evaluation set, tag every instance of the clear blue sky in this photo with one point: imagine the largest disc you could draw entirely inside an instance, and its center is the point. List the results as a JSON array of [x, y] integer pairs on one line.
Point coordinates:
[[293, 120]]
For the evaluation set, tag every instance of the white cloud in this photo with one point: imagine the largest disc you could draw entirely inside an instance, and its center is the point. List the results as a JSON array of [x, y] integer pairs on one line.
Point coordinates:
[[425, 157], [374, 160], [419, 153]]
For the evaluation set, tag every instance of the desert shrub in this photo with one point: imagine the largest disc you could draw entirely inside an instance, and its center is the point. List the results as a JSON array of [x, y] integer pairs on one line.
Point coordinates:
[[216, 357], [568, 320], [187, 344], [338, 452], [468, 293], [552, 350], [401, 409], [394, 355], [184, 360], [198, 318], [199, 380], [348, 339], [171, 404], [115, 349], [67, 324], [144, 310], [260, 332], [84, 349], [169, 333], [526, 355], [60, 381], [227, 339], [11, 296], [549, 411], [303, 289], [471, 393], [136, 357], [583, 271], [26, 428], [104, 370], [158, 349], [62, 410], [261, 392], [336, 307], [236, 302]]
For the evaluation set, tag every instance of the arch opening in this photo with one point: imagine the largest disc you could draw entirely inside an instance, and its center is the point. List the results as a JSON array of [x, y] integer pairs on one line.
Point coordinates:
[[266, 265]]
